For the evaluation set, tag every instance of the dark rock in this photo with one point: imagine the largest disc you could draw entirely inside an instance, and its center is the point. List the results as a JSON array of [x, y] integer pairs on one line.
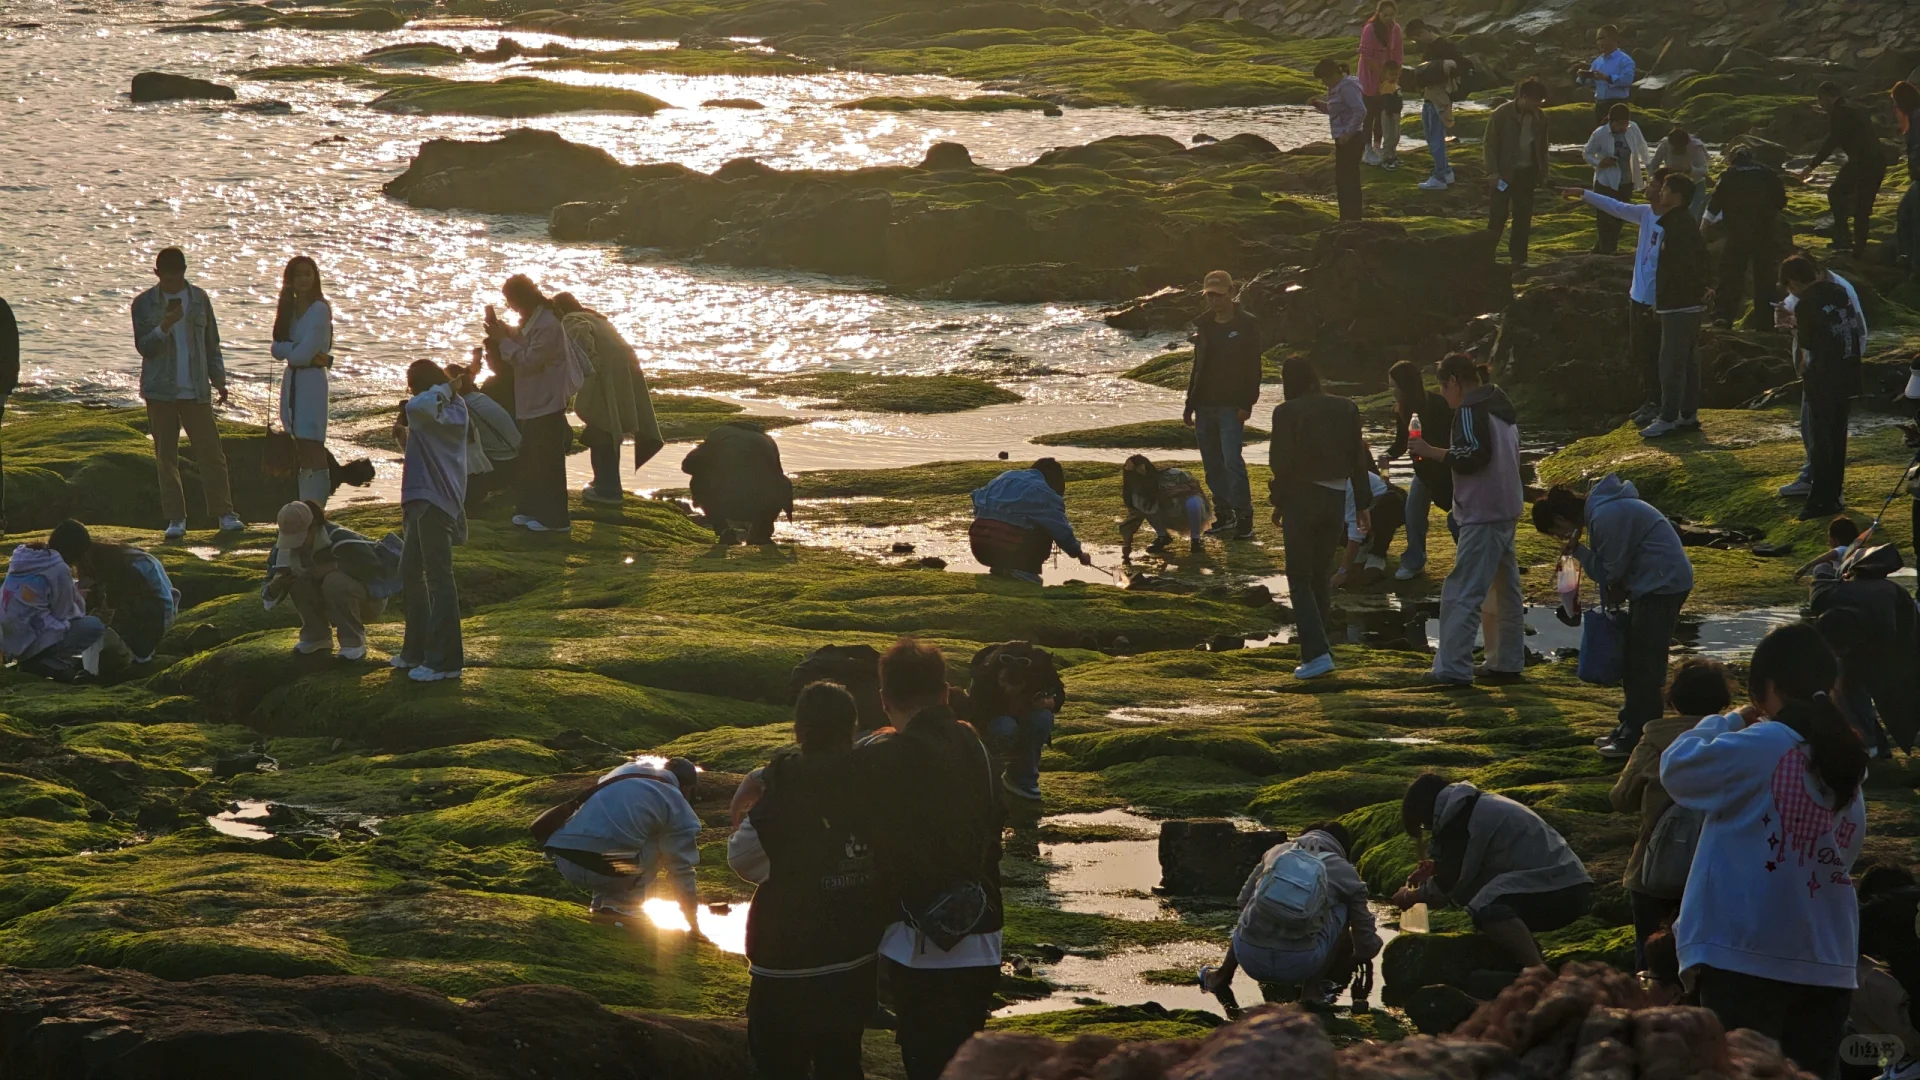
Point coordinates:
[[1053, 111], [94, 1022], [526, 171], [201, 638], [902, 548], [160, 86], [266, 108], [742, 169], [1203, 137], [931, 562], [1413, 961], [1256, 596], [856, 667], [947, 155], [1120, 644], [1226, 643], [574, 220], [731, 103], [1003, 455], [1210, 856], [1438, 1009], [227, 766], [1725, 537], [1035, 283]]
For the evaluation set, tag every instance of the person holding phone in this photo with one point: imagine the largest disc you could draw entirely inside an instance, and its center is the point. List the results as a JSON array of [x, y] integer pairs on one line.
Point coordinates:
[[536, 351], [303, 339], [181, 375]]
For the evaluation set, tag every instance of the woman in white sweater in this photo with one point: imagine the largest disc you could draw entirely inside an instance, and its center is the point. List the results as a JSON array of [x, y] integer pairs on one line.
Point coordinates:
[[1769, 928], [303, 338]]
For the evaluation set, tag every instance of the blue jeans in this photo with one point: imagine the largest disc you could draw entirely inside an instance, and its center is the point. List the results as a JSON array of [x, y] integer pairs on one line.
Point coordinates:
[[1019, 741], [431, 599], [1419, 502], [1435, 129], [1906, 234], [1195, 511], [62, 658], [1219, 429]]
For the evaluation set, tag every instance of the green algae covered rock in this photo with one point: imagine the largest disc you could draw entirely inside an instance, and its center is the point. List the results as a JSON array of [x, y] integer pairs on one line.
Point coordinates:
[[940, 103], [514, 96], [1153, 435]]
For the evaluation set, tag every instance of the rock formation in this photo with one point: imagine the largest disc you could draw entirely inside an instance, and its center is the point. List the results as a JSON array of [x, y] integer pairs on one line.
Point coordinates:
[[160, 86], [1210, 857]]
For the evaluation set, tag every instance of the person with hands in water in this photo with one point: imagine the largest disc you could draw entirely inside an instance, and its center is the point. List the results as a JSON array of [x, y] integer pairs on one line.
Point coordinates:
[[182, 377], [1018, 517]]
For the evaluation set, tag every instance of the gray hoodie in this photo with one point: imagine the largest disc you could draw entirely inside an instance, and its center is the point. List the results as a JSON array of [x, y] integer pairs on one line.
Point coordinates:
[[1342, 879], [1484, 453], [1633, 545], [1509, 850]]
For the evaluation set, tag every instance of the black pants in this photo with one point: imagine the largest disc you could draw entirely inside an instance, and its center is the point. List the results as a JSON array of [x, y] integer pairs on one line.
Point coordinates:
[[812, 1027], [1516, 200], [1650, 913], [1643, 338], [1851, 200], [1808, 1021], [937, 1012], [1347, 153], [603, 449], [1312, 524], [542, 465], [1643, 681], [1389, 513], [1827, 412], [1606, 226], [1603, 106], [1750, 252]]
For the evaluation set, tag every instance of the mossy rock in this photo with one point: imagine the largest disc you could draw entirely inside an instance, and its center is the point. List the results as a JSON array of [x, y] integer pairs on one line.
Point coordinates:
[[1126, 1023], [1173, 370], [685, 418], [421, 53], [513, 97], [689, 62], [894, 393], [1152, 435], [982, 103]]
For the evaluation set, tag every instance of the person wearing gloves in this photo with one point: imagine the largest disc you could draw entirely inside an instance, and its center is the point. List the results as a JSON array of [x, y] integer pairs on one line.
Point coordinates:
[[637, 826], [1685, 155], [432, 429], [1634, 553], [303, 339], [1221, 393], [1769, 928], [43, 616], [1618, 153], [1511, 870], [613, 402], [1019, 517], [337, 579], [1304, 919]]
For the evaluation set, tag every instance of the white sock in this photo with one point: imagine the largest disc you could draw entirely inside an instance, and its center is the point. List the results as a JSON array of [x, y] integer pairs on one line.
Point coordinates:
[[315, 485]]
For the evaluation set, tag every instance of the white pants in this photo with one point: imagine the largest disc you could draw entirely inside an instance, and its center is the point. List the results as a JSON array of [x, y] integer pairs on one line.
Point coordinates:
[[1482, 592]]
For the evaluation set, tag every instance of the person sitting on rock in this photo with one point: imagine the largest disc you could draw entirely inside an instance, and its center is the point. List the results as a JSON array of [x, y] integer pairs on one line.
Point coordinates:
[[1699, 688], [1018, 517], [736, 480], [337, 579], [1384, 519], [125, 586], [1166, 499], [1499, 859], [613, 402], [1304, 919], [1769, 928], [637, 825], [816, 916], [43, 615]]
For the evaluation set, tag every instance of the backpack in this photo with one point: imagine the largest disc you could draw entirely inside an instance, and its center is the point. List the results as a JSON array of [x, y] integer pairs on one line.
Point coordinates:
[[1293, 896], [1670, 848]]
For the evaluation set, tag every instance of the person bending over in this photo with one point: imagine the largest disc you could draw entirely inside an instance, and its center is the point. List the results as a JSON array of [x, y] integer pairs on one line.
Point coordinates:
[[1019, 517]]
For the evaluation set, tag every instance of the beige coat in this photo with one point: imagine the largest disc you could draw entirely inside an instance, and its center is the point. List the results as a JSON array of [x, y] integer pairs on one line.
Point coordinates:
[[1638, 788]]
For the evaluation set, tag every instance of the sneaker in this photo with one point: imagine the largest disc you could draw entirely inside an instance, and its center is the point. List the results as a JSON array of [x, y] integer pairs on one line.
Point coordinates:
[[1371, 157], [176, 531], [1434, 183], [1316, 667], [591, 494], [1798, 489], [1817, 513], [1487, 676], [1224, 525], [402, 663], [423, 673], [308, 648], [1196, 546], [1159, 545], [1659, 429], [534, 526], [1907, 1068], [232, 523], [1408, 573], [1027, 576], [1614, 749], [1243, 528], [1646, 414], [1377, 562], [353, 652], [521, 519], [1689, 423], [1390, 164]]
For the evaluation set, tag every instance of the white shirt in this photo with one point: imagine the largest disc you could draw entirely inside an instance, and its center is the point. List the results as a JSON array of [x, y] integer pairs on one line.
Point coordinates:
[[1853, 297], [1646, 255], [182, 357], [1379, 487], [905, 946]]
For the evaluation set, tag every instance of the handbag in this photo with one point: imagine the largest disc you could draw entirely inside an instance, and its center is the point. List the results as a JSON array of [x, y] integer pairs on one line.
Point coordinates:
[[959, 909], [1603, 641], [1668, 860]]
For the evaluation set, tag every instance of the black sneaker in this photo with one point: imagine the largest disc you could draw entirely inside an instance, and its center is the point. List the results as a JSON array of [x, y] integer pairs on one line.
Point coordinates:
[[1614, 749], [1159, 546], [1818, 513], [1243, 527], [1224, 525]]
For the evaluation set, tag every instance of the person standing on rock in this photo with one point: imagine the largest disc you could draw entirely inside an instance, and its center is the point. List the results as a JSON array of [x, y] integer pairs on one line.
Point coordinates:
[[303, 339], [1802, 484], [1853, 191], [1906, 107], [1315, 453], [9, 382], [1346, 110], [1643, 323], [1682, 154], [544, 380], [1769, 928], [1483, 591], [1432, 483], [1611, 74], [613, 402], [1749, 199], [1382, 49], [181, 376], [493, 439], [1618, 153], [1634, 554], [1437, 79], [1221, 393], [1516, 147], [1828, 341], [432, 430], [1018, 517]]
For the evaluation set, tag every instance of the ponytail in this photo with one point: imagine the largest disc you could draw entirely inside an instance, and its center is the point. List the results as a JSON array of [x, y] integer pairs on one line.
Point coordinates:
[[1796, 663]]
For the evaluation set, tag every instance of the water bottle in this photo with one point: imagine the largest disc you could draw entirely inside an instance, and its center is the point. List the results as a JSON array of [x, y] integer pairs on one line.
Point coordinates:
[[1414, 920]]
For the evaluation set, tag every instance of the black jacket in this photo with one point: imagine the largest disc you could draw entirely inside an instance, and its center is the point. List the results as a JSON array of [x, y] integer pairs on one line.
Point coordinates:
[[1226, 362], [1681, 280], [1829, 331], [1850, 130], [928, 804], [1436, 425], [736, 475], [9, 351], [1870, 623], [1434, 72], [1316, 437], [1751, 196], [820, 906]]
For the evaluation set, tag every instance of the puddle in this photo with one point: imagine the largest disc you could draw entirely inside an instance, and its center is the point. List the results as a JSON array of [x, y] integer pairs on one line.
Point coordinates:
[[259, 819], [1406, 740], [727, 930], [1161, 714], [245, 820]]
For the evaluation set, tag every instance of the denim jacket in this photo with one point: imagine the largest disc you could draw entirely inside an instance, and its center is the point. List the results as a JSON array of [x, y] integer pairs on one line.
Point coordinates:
[[158, 378]]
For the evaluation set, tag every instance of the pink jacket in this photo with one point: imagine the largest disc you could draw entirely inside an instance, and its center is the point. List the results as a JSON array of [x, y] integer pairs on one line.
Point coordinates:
[[1375, 56]]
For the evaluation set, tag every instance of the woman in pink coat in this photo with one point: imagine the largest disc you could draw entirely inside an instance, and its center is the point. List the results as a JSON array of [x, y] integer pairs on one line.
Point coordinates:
[[1381, 52]]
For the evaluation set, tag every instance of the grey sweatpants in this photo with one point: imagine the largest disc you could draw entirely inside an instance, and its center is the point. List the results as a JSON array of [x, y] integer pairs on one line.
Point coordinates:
[[1482, 592]]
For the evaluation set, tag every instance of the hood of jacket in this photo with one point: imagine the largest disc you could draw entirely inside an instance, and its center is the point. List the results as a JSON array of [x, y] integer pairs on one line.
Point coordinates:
[[1494, 400], [1610, 489], [29, 560], [1450, 801], [1318, 841]]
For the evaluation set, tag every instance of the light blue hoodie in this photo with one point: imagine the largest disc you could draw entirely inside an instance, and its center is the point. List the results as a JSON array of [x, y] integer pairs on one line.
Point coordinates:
[[1633, 544]]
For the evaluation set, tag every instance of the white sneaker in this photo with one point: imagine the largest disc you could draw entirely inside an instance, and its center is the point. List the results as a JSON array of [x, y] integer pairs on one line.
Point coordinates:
[[1316, 667], [1659, 428], [1026, 576], [1796, 490], [308, 648], [521, 519], [1371, 157], [1434, 183], [1376, 562], [353, 652], [232, 523], [423, 673], [401, 663], [534, 526], [1408, 573], [176, 531], [591, 494]]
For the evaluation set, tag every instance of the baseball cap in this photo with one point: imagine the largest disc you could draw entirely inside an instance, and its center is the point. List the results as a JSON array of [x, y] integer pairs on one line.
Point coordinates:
[[1217, 281], [296, 521]]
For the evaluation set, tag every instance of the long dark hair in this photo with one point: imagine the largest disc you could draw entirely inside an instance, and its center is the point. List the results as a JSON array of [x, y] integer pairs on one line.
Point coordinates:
[[1140, 485], [1796, 664], [1417, 807], [284, 316]]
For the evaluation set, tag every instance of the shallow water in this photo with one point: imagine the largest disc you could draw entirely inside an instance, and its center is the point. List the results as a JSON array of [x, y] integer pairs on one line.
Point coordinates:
[[727, 931]]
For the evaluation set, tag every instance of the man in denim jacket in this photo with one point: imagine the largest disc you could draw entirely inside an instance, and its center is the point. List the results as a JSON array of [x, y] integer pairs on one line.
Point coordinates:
[[180, 374]]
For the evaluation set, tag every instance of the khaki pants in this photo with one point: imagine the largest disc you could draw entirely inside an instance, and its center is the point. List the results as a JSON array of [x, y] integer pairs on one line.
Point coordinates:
[[338, 601], [165, 419], [1482, 593]]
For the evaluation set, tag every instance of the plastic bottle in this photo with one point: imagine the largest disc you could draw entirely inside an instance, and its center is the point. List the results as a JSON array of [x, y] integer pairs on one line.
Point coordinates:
[[1413, 426], [1414, 920], [1566, 582]]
